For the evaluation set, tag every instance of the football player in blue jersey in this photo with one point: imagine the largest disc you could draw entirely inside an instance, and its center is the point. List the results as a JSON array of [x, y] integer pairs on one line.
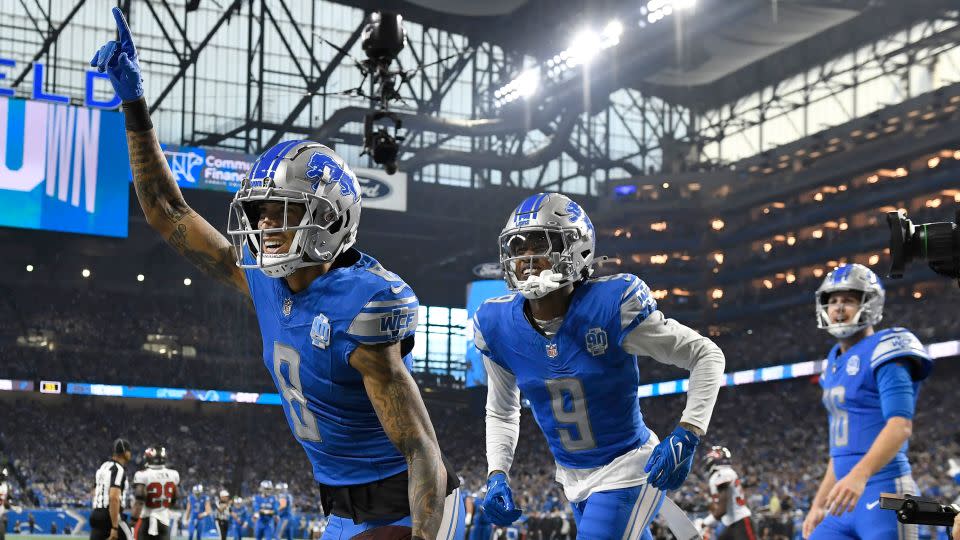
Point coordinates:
[[870, 384], [337, 327], [240, 517], [198, 508], [265, 512], [570, 343], [287, 525]]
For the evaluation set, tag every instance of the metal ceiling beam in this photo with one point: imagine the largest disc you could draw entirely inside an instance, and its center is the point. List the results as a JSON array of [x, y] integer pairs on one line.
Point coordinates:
[[195, 54], [318, 83], [48, 42]]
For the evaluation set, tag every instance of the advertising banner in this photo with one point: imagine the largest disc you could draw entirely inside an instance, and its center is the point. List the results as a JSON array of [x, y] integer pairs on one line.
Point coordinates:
[[63, 168]]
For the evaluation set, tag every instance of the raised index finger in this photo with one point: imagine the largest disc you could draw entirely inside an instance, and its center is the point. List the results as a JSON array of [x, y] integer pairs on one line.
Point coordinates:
[[126, 40]]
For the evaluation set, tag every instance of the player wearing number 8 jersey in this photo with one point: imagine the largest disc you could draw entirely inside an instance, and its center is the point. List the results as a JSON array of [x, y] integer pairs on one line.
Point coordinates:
[[570, 342], [337, 327], [870, 385], [155, 491]]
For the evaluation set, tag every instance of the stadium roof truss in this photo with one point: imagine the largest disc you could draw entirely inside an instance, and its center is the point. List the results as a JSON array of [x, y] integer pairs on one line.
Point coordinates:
[[244, 74]]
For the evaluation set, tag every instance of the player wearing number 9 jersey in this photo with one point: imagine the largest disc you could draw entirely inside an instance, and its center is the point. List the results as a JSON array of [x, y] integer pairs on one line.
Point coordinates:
[[570, 342], [870, 385], [155, 491], [337, 327]]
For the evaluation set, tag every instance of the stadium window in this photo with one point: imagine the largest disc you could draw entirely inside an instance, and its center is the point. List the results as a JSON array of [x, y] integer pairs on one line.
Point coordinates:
[[441, 342]]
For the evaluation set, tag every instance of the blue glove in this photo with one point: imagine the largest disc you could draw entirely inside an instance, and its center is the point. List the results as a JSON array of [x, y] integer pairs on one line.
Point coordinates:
[[498, 504], [118, 59], [671, 460]]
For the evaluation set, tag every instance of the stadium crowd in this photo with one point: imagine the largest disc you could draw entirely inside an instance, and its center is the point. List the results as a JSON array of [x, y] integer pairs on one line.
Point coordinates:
[[776, 431]]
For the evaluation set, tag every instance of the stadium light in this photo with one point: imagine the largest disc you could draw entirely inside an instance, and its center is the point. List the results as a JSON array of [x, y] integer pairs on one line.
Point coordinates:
[[85, 273], [140, 277], [29, 268], [187, 281], [583, 49], [717, 224], [528, 82]]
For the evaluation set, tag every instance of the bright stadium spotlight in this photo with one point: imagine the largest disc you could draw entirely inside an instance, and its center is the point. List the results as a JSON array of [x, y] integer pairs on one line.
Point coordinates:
[[140, 277], [85, 273], [528, 82], [610, 36], [29, 268], [187, 281]]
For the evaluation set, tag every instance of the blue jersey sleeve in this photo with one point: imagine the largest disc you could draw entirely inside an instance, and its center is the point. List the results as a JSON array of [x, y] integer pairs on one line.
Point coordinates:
[[900, 343], [389, 316], [485, 326], [896, 388], [636, 304]]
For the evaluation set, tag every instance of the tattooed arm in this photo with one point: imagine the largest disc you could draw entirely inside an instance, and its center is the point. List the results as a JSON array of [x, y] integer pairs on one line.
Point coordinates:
[[167, 212], [397, 400], [157, 190]]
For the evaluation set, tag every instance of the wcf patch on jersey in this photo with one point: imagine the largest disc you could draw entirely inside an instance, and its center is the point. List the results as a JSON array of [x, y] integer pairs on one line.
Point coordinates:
[[320, 331]]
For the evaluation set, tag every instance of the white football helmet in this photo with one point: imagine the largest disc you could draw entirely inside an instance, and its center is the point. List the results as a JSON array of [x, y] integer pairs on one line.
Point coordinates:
[[851, 277], [548, 226], [305, 173]]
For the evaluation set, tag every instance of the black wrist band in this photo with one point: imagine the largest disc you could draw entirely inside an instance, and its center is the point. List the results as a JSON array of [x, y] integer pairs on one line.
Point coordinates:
[[137, 115]]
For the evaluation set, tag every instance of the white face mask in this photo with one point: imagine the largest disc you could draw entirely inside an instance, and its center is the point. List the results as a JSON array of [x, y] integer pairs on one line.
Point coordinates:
[[539, 286]]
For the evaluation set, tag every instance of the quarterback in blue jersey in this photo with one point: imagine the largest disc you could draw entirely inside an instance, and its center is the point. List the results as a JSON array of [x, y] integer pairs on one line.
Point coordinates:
[[337, 327], [570, 343], [870, 384]]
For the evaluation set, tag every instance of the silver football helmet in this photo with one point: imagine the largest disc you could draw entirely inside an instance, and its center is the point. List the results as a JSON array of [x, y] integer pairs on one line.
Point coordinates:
[[266, 486], [548, 226], [851, 277], [297, 172]]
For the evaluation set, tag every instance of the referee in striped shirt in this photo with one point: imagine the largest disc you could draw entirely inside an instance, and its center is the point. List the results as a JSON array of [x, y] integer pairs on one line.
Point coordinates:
[[111, 492]]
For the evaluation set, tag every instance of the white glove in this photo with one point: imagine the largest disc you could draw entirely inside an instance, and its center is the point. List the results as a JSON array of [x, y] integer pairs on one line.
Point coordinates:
[[539, 286]]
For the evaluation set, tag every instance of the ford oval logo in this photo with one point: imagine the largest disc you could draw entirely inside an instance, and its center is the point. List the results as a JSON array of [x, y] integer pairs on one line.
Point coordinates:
[[488, 270], [371, 188]]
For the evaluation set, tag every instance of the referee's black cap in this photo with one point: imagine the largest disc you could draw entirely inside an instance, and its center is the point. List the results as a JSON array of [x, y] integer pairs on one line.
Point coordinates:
[[121, 446]]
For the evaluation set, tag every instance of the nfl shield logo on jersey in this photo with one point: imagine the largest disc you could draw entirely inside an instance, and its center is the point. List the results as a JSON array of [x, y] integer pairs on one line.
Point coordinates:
[[287, 306], [320, 331], [853, 365], [597, 341], [552, 350]]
